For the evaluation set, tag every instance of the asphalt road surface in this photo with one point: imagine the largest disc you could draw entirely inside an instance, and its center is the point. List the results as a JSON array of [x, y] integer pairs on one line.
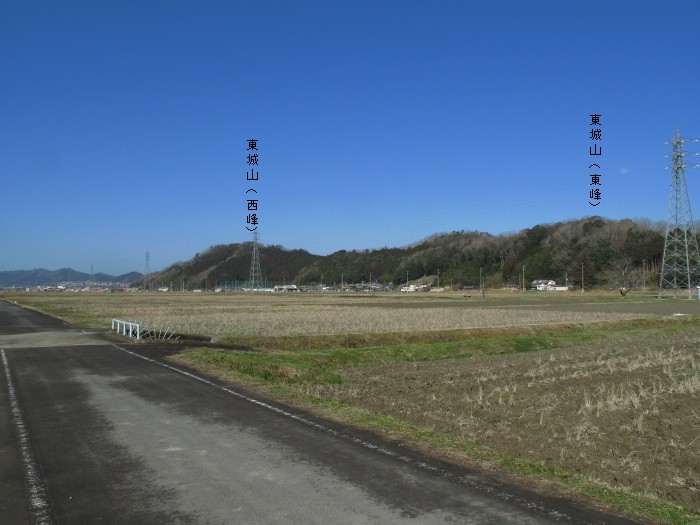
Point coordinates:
[[97, 432]]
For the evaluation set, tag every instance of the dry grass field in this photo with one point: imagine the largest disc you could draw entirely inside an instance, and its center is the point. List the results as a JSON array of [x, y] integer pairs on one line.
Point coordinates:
[[221, 315]]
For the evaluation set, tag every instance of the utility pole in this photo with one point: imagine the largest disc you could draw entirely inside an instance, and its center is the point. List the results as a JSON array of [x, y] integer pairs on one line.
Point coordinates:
[[148, 271], [581, 277], [644, 275], [523, 278], [438, 277], [481, 282]]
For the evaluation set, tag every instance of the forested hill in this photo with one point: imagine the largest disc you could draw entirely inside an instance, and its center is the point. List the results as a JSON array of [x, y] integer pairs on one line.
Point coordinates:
[[605, 249], [230, 263]]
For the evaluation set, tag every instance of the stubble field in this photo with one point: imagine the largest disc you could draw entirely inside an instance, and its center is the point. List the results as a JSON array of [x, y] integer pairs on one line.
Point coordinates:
[[622, 413], [222, 315]]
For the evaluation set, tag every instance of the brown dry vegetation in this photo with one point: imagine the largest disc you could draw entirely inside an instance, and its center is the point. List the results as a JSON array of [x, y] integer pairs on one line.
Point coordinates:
[[221, 315], [623, 414]]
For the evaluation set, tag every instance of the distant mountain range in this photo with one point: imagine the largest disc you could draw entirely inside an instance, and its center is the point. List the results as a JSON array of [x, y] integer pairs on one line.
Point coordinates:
[[42, 277]]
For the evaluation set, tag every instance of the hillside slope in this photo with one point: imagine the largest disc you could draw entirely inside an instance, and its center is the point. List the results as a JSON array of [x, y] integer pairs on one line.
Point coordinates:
[[602, 251]]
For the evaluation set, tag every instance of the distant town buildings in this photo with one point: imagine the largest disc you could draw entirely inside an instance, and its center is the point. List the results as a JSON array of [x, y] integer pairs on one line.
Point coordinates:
[[74, 287]]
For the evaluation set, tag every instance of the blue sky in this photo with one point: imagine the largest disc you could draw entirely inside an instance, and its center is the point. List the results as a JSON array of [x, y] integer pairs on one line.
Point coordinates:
[[123, 124]]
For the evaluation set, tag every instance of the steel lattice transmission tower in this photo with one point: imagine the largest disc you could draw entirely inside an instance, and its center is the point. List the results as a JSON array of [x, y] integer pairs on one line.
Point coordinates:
[[680, 270], [255, 263]]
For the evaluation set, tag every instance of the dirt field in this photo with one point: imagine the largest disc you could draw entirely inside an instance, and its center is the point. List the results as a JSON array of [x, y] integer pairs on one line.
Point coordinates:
[[221, 315], [623, 414]]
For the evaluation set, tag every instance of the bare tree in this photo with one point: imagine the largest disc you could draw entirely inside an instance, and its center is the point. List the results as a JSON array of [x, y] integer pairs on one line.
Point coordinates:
[[623, 275]]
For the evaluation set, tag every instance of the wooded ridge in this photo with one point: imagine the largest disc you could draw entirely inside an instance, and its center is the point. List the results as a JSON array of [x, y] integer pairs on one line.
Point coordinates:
[[613, 252]]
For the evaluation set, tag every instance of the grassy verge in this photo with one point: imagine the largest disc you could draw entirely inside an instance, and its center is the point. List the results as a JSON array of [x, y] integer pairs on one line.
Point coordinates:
[[302, 370], [57, 310]]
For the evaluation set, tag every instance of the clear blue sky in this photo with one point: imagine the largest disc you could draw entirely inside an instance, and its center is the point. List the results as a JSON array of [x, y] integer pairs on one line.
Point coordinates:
[[123, 124]]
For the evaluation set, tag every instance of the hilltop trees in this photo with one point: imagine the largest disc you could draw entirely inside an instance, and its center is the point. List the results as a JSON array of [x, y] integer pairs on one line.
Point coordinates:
[[608, 252], [554, 251]]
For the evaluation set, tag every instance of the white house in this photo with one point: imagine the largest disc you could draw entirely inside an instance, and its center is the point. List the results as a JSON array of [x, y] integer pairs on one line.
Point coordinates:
[[545, 285]]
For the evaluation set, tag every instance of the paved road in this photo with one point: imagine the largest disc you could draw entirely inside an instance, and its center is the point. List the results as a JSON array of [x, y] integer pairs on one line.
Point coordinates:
[[93, 432]]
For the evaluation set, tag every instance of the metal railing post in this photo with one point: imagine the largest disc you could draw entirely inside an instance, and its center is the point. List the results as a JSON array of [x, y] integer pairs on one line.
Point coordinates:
[[121, 326]]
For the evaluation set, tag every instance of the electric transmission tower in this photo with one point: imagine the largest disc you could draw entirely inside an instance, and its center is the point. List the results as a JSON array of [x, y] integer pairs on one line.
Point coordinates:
[[255, 264], [680, 270]]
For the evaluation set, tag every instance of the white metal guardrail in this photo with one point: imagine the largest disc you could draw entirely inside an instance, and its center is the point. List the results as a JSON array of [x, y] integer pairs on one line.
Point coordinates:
[[121, 327]]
